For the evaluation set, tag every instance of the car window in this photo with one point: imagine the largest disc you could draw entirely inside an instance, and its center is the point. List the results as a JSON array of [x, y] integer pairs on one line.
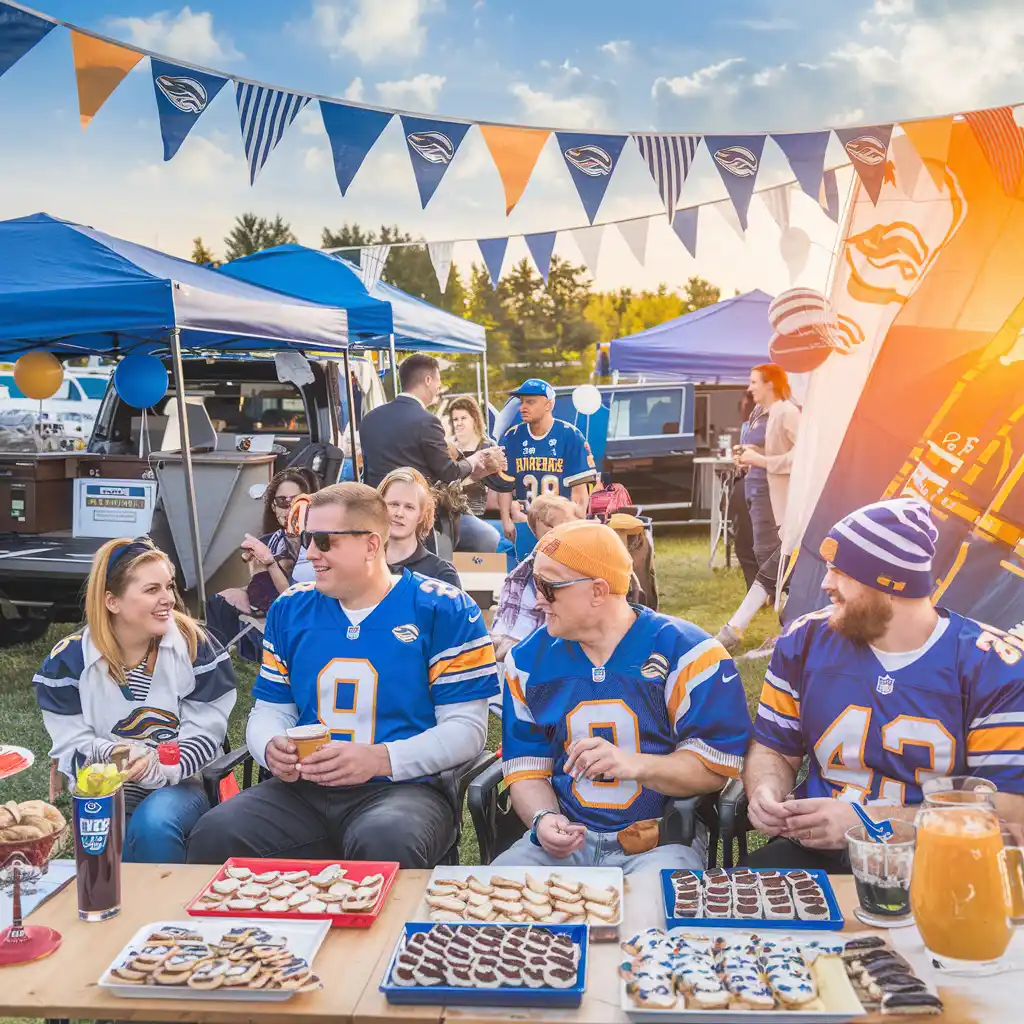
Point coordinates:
[[647, 413], [94, 387]]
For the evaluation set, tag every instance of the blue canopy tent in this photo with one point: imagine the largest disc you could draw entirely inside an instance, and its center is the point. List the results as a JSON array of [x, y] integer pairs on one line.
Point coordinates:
[[717, 343]]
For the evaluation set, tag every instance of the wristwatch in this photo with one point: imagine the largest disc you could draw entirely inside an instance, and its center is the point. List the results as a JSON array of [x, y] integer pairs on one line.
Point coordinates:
[[536, 819]]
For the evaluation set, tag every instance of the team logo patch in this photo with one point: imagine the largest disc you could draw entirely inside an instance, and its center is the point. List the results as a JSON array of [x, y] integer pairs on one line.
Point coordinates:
[[655, 667], [597, 673], [244, 444], [866, 149], [549, 547], [406, 633], [737, 160], [885, 684], [552, 443], [188, 95], [829, 549], [352, 632], [592, 161], [154, 725], [434, 147]]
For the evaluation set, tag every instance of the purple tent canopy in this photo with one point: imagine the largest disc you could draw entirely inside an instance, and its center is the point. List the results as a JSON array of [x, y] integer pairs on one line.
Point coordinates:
[[717, 343]]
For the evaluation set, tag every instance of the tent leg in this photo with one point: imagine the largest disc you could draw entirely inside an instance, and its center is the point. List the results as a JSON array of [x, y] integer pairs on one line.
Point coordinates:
[[479, 391], [353, 434], [394, 366], [186, 461], [487, 398]]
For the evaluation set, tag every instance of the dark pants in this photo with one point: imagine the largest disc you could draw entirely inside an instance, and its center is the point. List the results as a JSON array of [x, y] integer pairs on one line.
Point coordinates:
[[767, 544], [222, 620], [742, 533], [410, 822], [784, 853]]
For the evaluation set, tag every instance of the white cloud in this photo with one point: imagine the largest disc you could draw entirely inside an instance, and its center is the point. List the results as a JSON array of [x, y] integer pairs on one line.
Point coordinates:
[[570, 70], [419, 93], [768, 76], [847, 117], [767, 24], [354, 91], [186, 35], [371, 29], [699, 82], [615, 47], [570, 112], [200, 161]]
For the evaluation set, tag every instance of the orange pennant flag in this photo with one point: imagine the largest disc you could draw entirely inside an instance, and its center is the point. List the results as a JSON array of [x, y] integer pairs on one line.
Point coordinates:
[[515, 152], [100, 67], [931, 140]]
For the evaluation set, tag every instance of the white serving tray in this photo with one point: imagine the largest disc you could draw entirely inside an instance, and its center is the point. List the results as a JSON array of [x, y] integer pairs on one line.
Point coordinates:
[[304, 940]]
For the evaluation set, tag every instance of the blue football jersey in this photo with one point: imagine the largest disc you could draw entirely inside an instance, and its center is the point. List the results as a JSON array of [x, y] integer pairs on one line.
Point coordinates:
[[874, 736], [668, 686], [376, 682], [552, 464]]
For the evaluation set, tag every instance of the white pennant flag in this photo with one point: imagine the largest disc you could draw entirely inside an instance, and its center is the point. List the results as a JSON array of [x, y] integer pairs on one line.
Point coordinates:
[[635, 234], [729, 215], [589, 242], [777, 201], [371, 264], [441, 258]]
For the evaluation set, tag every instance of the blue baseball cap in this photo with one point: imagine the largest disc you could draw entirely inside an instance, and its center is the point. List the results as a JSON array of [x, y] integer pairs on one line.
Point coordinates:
[[534, 386]]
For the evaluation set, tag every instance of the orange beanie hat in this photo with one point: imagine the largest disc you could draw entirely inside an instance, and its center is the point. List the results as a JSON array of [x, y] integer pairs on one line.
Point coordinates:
[[591, 549]]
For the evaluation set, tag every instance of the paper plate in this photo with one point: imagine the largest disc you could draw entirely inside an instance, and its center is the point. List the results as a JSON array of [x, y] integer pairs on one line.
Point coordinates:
[[14, 760]]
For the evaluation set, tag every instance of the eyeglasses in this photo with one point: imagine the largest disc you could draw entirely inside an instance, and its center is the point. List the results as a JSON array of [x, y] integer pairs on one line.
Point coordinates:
[[284, 501], [322, 538], [548, 588]]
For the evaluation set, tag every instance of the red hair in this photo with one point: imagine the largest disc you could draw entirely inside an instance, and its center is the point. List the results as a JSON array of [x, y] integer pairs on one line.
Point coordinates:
[[776, 376]]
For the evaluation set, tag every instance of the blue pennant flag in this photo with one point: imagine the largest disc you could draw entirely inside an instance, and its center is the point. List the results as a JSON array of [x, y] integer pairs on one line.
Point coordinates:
[[182, 95], [541, 245], [828, 198], [591, 159], [432, 147], [805, 152], [668, 158], [867, 148], [493, 252], [19, 32], [738, 159], [352, 132], [684, 224], [264, 114]]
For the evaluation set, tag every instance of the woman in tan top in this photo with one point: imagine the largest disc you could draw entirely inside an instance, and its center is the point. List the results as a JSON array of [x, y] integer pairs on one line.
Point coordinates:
[[767, 457]]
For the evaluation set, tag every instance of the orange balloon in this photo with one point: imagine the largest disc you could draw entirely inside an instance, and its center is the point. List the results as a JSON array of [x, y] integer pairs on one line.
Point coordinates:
[[38, 374]]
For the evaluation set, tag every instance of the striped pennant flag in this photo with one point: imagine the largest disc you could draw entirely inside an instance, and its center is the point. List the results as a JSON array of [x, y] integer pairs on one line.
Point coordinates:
[[999, 137], [371, 264], [264, 114], [668, 158]]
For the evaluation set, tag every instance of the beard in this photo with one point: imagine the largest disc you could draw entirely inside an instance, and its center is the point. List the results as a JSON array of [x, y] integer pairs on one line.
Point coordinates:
[[864, 619]]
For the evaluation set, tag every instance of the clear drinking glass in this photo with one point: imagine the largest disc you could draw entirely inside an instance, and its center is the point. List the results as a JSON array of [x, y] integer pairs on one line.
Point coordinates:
[[1013, 857], [881, 873], [959, 789]]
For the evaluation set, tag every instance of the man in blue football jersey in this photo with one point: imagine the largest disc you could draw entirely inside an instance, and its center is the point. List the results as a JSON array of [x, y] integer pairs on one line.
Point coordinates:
[[545, 455], [610, 710], [397, 668], [882, 692]]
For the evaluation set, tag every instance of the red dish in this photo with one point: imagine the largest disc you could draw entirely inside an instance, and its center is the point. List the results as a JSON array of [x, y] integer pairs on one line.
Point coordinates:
[[355, 870]]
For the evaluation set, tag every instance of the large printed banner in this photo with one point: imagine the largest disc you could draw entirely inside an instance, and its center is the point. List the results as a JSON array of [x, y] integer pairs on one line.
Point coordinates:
[[923, 393]]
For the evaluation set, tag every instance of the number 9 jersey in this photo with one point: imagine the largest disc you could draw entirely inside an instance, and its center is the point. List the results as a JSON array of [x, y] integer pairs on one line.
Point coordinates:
[[668, 686], [552, 464], [875, 736]]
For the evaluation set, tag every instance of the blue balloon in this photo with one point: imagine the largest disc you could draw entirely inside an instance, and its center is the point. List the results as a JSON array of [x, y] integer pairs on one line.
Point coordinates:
[[140, 380]]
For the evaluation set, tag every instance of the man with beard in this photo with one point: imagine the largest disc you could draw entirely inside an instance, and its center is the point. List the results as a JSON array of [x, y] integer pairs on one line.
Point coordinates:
[[881, 692]]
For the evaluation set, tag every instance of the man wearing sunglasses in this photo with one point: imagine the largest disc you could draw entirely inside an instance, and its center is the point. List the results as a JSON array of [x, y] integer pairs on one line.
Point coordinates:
[[397, 668], [610, 710]]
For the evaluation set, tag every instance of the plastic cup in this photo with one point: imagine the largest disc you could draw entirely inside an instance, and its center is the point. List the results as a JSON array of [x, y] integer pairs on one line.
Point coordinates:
[[308, 739], [881, 873]]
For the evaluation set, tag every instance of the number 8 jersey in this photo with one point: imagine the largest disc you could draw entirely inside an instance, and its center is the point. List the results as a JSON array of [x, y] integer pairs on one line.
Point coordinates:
[[552, 464], [668, 686]]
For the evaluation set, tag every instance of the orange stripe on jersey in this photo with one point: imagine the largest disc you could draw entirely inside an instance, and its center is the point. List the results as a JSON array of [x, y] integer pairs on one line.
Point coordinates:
[[779, 701], [516, 687], [713, 766], [536, 773], [272, 662], [710, 657], [477, 658], [1004, 737]]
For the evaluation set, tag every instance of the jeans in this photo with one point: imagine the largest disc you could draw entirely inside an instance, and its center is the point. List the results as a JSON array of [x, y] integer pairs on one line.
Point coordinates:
[[476, 535], [767, 543], [222, 620], [160, 825]]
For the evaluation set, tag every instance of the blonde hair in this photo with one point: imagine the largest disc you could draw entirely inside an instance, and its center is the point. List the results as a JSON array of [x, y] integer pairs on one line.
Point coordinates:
[[112, 575], [361, 502], [545, 507], [428, 506]]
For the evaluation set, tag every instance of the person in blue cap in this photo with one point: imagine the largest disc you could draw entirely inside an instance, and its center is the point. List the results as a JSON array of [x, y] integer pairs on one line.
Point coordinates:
[[545, 455]]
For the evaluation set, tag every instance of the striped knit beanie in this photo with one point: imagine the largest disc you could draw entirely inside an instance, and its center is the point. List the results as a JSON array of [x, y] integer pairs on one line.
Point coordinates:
[[888, 545]]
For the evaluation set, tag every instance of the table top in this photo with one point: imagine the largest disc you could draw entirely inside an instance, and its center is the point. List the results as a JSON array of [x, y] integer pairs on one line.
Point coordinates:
[[351, 963]]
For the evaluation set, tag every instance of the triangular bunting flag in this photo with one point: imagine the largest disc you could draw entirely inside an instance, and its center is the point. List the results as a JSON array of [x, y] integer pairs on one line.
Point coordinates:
[[868, 149], [668, 158], [777, 201], [731, 217], [493, 252], [515, 152], [441, 260], [828, 198], [589, 242], [931, 141], [805, 152], [371, 264], [352, 131], [684, 224], [100, 68], [541, 245], [264, 114], [19, 32], [795, 247], [591, 159], [999, 137], [182, 96], [432, 147], [738, 159], [635, 234]]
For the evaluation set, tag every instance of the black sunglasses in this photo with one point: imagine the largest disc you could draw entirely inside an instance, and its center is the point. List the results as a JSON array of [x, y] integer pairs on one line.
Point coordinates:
[[322, 538], [549, 588]]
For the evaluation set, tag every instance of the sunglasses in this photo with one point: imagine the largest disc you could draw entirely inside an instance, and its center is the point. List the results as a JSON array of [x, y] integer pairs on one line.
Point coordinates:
[[322, 538], [283, 501], [548, 588]]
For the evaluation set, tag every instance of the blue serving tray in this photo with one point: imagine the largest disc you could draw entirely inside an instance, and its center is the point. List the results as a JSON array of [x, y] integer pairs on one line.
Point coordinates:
[[433, 995], [834, 921]]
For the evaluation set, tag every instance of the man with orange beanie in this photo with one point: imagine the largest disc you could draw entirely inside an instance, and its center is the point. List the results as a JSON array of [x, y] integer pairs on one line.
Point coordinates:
[[609, 711]]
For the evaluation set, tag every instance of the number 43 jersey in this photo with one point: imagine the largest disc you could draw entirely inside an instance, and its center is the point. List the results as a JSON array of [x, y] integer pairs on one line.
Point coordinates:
[[875, 735], [425, 644], [552, 464], [668, 686]]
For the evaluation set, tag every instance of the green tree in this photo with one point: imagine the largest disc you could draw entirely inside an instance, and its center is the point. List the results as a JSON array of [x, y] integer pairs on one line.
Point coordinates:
[[200, 254], [253, 234], [618, 313], [699, 293]]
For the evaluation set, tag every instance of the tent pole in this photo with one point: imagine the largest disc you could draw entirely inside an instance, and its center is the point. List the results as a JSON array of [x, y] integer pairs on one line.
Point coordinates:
[[186, 462], [479, 392], [487, 397], [353, 436], [394, 366]]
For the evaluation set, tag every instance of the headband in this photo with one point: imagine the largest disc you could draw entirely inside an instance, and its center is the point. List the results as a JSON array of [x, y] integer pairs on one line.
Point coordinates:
[[137, 547]]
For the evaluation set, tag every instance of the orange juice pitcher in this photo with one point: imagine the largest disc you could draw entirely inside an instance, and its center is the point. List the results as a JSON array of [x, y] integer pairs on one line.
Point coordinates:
[[959, 892]]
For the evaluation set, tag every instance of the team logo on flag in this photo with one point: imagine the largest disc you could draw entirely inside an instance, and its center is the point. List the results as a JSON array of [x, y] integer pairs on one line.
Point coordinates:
[[188, 95], [655, 667], [434, 147], [592, 161], [737, 160], [866, 149], [885, 684], [406, 633]]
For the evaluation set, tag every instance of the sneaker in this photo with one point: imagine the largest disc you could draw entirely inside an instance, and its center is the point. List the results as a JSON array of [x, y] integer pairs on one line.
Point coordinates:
[[729, 637]]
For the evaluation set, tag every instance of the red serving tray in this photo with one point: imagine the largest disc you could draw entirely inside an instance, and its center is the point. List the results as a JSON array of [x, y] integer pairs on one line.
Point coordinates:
[[356, 870]]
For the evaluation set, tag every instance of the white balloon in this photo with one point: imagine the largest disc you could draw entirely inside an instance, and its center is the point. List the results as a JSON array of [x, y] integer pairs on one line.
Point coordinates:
[[586, 399]]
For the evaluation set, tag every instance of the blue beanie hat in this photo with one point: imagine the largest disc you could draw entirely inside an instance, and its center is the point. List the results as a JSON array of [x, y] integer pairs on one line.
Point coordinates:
[[888, 545]]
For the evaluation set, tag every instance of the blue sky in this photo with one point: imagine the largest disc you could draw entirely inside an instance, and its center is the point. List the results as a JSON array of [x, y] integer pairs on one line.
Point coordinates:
[[655, 64]]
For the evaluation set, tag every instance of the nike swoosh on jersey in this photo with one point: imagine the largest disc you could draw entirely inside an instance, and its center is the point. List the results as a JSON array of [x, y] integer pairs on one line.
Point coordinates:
[[726, 679], [473, 618]]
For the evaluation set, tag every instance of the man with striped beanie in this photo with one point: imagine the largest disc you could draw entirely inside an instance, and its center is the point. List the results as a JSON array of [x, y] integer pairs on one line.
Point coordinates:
[[883, 693]]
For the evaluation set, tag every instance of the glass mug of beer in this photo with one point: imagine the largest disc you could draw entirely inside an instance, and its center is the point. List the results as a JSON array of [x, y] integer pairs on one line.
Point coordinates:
[[959, 789]]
